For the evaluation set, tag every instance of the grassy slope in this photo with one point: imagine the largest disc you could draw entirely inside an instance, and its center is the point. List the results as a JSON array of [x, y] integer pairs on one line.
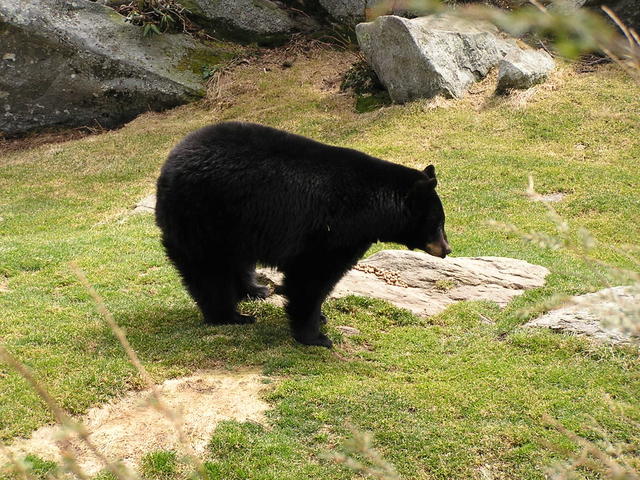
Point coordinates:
[[446, 397]]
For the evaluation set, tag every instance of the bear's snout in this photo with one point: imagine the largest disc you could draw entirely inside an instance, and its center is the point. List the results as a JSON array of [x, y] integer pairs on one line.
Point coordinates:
[[438, 249]]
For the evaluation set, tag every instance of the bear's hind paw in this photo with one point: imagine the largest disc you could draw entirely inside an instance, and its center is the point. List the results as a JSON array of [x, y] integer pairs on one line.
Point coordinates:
[[257, 292]]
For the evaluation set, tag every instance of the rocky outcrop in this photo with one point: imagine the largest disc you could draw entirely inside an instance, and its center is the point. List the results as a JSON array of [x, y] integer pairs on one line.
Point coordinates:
[[434, 55], [603, 316], [522, 69], [347, 11], [75, 62], [260, 21], [351, 12], [426, 285]]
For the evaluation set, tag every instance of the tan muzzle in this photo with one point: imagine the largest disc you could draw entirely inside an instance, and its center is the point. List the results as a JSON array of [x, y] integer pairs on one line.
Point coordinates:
[[439, 248]]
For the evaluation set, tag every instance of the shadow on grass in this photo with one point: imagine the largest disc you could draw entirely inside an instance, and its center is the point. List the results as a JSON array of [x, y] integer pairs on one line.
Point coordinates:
[[177, 337]]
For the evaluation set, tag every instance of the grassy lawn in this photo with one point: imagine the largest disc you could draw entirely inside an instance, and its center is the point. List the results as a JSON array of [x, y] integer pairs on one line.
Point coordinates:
[[451, 396]]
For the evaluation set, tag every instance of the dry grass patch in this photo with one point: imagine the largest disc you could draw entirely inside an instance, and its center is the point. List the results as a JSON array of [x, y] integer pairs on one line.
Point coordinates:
[[129, 427]]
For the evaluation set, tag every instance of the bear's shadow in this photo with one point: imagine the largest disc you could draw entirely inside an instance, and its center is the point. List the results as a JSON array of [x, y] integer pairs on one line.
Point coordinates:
[[178, 336]]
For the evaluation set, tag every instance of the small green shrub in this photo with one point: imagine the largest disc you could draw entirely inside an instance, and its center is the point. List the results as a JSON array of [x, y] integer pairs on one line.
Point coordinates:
[[156, 16], [40, 468], [361, 79]]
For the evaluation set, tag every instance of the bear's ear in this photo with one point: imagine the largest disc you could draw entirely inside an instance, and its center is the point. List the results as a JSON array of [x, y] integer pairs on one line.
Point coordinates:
[[425, 186], [421, 191], [430, 171]]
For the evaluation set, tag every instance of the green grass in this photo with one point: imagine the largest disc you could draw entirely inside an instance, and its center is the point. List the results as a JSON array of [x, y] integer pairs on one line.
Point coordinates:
[[446, 397], [159, 465]]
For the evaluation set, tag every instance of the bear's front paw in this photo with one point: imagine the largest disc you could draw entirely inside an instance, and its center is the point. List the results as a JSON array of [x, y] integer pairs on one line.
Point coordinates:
[[323, 319], [321, 340]]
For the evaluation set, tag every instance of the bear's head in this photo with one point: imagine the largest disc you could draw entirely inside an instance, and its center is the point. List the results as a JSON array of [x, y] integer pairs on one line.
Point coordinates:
[[427, 224]]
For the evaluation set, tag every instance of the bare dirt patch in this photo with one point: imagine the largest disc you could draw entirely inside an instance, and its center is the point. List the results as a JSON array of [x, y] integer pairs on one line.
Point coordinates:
[[33, 140], [130, 427]]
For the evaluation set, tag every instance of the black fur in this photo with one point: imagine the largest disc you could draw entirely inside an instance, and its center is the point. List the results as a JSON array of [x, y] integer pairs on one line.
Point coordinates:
[[234, 194]]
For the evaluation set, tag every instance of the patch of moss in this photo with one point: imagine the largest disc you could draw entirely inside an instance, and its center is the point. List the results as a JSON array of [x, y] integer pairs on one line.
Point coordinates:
[[445, 284], [201, 60], [369, 103]]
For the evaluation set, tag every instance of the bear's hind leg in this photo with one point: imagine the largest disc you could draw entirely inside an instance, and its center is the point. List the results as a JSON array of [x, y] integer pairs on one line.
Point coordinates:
[[224, 298], [247, 286], [212, 288]]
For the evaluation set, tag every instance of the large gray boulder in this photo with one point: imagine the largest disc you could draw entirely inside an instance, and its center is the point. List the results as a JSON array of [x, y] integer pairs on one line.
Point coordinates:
[[75, 62], [260, 21], [428, 56], [351, 12], [438, 55], [426, 285], [347, 11]]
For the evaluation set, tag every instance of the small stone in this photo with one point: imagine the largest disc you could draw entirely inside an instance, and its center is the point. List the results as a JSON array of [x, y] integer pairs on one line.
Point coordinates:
[[348, 330], [552, 197], [146, 205]]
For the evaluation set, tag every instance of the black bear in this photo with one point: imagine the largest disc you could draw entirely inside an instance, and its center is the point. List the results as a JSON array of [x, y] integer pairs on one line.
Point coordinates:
[[234, 194]]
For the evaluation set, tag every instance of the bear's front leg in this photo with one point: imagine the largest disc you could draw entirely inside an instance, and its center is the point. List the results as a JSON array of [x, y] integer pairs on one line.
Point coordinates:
[[307, 282], [305, 324], [305, 296]]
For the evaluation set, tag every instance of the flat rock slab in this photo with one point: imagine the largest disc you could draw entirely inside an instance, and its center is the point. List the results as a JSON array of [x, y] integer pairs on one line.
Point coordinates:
[[595, 315], [128, 428], [426, 285]]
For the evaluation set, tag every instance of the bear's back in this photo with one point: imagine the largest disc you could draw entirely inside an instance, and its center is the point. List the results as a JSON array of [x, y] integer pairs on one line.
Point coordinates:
[[269, 188]]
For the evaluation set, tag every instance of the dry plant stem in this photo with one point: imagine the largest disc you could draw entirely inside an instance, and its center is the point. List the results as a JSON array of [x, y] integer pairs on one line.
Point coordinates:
[[157, 401], [634, 46], [538, 5], [64, 419], [631, 37], [361, 444], [70, 462], [590, 449]]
